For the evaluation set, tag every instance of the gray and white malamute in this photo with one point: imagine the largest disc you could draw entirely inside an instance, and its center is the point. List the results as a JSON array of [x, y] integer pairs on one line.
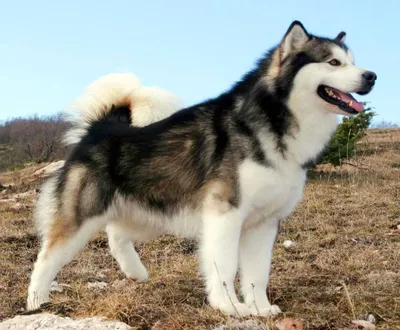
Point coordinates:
[[227, 170]]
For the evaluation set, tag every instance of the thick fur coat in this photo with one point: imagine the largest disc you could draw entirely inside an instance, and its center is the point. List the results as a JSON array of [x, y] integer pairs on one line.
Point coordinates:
[[226, 171]]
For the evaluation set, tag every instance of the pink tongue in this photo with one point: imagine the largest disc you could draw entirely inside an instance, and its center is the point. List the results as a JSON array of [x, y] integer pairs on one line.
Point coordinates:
[[358, 106]]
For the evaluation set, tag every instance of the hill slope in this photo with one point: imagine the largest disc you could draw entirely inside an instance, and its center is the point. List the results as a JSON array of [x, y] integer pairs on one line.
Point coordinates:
[[345, 262]]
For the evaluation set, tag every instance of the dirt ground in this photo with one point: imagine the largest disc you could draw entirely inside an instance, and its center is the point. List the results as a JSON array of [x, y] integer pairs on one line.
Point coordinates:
[[345, 264]]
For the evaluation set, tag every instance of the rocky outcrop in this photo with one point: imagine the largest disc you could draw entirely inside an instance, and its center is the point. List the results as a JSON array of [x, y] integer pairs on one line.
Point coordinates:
[[49, 321]]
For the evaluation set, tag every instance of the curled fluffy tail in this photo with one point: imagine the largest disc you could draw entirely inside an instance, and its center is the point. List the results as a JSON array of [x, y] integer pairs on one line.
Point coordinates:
[[147, 104]]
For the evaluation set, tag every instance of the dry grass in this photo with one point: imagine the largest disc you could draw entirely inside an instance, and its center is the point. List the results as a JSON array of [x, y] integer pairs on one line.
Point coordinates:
[[345, 263]]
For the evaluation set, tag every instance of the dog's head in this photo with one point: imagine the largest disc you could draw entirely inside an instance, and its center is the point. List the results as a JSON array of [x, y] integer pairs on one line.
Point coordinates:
[[311, 71]]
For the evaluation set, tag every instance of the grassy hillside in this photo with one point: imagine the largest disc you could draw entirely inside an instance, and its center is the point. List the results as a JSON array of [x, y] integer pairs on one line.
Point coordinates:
[[345, 263]]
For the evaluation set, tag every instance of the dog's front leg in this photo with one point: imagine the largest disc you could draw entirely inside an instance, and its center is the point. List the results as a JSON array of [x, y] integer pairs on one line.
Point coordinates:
[[256, 246], [219, 252]]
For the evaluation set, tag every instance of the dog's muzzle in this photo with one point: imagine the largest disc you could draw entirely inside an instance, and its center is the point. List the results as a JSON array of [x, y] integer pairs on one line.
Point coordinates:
[[369, 79]]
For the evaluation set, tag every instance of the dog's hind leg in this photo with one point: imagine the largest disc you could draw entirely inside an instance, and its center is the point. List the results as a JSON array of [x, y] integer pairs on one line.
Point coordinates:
[[59, 247], [66, 221], [122, 250]]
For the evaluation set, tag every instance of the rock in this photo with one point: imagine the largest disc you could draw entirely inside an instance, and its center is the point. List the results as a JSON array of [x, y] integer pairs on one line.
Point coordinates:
[[49, 169], [288, 244], [50, 321], [242, 325], [371, 319], [97, 285], [364, 324], [289, 323], [55, 287]]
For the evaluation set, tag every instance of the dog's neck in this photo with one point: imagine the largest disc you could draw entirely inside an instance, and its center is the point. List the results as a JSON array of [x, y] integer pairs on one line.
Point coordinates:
[[312, 134], [294, 132], [289, 128]]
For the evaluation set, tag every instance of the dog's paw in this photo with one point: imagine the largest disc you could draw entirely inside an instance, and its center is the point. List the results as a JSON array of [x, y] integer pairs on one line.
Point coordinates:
[[235, 309], [35, 301], [271, 310], [139, 278], [138, 275]]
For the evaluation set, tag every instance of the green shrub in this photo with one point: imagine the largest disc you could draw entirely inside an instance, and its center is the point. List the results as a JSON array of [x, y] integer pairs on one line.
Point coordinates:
[[343, 143]]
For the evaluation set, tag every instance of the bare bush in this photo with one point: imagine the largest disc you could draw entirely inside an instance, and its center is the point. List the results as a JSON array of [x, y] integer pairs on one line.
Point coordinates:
[[4, 134], [385, 124], [33, 139]]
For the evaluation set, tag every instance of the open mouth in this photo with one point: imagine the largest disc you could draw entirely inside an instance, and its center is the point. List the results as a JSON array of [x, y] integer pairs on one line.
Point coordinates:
[[344, 101]]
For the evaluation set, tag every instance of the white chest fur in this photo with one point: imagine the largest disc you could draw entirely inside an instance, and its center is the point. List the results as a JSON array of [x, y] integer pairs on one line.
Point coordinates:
[[268, 192]]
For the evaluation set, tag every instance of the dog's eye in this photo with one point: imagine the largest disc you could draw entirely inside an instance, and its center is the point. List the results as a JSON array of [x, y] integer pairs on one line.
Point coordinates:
[[334, 62]]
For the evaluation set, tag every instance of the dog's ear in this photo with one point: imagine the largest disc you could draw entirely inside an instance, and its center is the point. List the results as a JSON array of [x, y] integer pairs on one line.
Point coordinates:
[[294, 39], [340, 37]]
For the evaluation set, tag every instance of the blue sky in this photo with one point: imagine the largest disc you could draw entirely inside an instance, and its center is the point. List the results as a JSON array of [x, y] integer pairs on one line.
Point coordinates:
[[50, 50]]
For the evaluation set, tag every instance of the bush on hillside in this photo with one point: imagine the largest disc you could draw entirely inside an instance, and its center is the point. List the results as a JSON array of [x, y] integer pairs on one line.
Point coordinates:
[[343, 143]]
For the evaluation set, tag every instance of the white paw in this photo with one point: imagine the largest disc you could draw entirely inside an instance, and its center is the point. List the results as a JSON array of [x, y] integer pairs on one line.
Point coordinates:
[[266, 311], [236, 309], [35, 300], [139, 275]]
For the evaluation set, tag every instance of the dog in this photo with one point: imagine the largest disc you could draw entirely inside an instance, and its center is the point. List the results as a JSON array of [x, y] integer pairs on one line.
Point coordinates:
[[226, 171]]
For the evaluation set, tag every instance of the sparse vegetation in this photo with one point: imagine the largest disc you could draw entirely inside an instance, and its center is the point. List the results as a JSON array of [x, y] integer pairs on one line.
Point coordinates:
[[385, 124], [34, 139], [345, 262]]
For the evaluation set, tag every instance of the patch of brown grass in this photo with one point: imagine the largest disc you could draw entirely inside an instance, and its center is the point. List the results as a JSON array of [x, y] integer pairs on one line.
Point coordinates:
[[346, 260]]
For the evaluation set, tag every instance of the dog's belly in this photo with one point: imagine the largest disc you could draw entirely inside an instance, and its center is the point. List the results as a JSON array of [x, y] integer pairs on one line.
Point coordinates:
[[266, 193], [145, 224]]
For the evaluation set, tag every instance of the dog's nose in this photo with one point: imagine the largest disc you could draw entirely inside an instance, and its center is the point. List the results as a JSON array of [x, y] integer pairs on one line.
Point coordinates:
[[369, 76]]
